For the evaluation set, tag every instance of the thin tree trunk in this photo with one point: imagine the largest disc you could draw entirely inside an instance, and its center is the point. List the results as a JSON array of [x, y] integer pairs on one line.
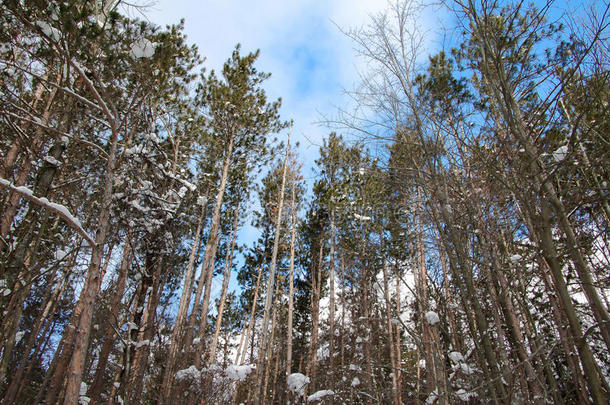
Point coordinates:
[[207, 268], [398, 369], [291, 280], [331, 346], [240, 358], [269, 346], [315, 321], [149, 326], [64, 353], [94, 276], [19, 378], [110, 335], [393, 356], [272, 267], [497, 390], [178, 331], [12, 203], [225, 286]]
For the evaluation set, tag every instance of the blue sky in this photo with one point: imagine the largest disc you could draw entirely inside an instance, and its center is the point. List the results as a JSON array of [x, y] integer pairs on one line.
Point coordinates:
[[311, 61]]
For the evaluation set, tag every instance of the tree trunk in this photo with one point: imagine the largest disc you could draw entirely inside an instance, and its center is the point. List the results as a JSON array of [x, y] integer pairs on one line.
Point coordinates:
[[291, 280], [178, 331], [240, 358], [315, 318], [225, 286], [94, 276], [393, 356], [272, 267], [207, 268], [110, 335], [331, 292]]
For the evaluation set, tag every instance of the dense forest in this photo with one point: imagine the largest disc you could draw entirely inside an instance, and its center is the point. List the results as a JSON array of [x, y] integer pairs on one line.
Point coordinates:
[[450, 246]]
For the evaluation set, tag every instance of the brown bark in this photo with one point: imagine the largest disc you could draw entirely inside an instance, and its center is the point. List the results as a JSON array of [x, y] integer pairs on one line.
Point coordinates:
[[291, 280], [225, 286], [272, 269], [390, 327], [269, 347], [146, 334], [110, 335], [207, 268], [178, 331], [19, 378], [93, 281], [242, 357], [496, 387], [10, 208], [312, 362]]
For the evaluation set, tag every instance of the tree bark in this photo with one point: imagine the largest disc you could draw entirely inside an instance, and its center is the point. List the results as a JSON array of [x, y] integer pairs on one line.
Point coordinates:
[[178, 331], [110, 335], [291, 280], [225, 285], [207, 268]]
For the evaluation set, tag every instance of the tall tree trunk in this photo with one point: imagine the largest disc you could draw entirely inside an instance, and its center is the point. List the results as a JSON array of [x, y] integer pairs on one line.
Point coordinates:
[[35, 144], [65, 351], [240, 358], [291, 280], [503, 94], [146, 334], [393, 356], [497, 391], [272, 267], [185, 299], [94, 274], [207, 268], [312, 362], [19, 378], [331, 292], [225, 286], [110, 335], [269, 345]]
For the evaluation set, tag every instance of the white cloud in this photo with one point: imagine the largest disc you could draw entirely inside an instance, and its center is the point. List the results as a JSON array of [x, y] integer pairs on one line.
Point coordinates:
[[310, 59]]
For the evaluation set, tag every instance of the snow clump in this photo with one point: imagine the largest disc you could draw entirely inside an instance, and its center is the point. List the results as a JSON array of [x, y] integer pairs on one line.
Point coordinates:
[[318, 395], [143, 48], [432, 317], [297, 382], [188, 373], [560, 154], [239, 373], [456, 357]]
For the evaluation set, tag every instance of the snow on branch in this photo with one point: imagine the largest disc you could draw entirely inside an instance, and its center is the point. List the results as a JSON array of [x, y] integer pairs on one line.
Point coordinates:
[[58, 209]]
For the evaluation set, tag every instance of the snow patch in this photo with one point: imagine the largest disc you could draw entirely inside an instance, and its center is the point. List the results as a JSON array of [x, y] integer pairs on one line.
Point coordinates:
[[190, 373], [432, 317], [515, 258], [318, 395], [239, 373], [19, 336], [560, 153], [465, 395], [456, 357], [362, 217], [48, 30], [296, 383], [143, 48]]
